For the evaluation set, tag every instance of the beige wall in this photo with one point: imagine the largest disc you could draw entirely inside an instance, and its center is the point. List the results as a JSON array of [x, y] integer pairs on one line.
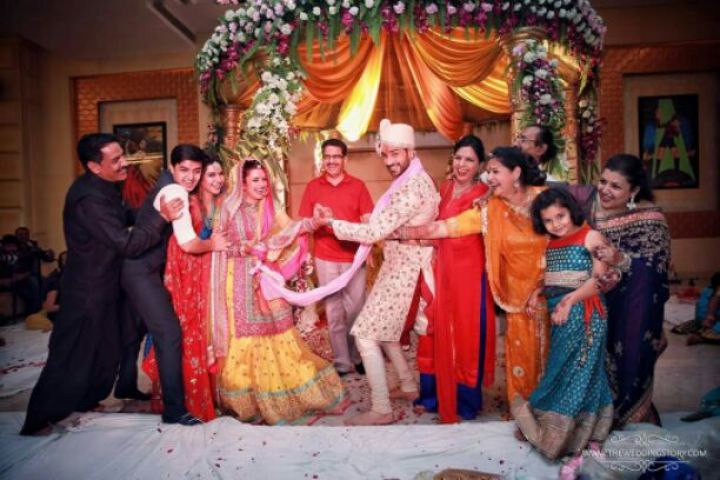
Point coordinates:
[[696, 257], [57, 170]]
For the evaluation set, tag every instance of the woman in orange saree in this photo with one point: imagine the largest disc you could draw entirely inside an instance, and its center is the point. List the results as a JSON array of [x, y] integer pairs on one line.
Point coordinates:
[[456, 357], [515, 257]]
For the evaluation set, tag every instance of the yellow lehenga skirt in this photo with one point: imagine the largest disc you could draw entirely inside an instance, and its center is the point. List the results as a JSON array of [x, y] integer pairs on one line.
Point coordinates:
[[277, 379]]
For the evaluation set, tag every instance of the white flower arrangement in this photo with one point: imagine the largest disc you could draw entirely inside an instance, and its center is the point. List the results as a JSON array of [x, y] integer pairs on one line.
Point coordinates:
[[539, 86], [273, 28], [591, 127]]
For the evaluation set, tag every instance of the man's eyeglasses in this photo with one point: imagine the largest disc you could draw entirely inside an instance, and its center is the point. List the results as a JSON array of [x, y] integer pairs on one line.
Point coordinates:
[[523, 138]]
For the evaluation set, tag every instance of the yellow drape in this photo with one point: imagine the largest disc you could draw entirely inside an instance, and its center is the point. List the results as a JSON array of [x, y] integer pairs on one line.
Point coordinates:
[[492, 93], [358, 108], [330, 80], [456, 60], [441, 104]]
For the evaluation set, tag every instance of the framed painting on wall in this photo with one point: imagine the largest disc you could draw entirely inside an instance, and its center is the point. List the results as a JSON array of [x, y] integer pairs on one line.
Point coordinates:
[[668, 136], [145, 146]]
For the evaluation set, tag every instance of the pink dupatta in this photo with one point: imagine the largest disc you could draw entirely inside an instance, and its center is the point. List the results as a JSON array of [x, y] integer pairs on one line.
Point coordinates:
[[273, 253], [273, 284]]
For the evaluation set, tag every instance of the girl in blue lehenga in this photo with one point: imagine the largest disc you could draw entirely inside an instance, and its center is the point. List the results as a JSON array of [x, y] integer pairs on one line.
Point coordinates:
[[572, 404]]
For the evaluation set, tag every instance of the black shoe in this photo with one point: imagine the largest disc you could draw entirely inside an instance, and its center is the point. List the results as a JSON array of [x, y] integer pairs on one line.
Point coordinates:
[[186, 419], [360, 368], [695, 416], [133, 395], [86, 407], [35, 428]]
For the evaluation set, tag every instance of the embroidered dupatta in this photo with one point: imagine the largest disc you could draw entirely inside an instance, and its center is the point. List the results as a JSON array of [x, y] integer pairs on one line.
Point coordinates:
[[275, 242]]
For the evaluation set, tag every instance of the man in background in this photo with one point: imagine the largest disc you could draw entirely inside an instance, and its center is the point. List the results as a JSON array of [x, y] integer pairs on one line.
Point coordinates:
[[410, 200]]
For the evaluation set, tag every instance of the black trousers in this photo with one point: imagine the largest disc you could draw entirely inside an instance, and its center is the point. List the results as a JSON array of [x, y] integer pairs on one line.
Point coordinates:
[[132, 332], [82, 360], [148, 297]]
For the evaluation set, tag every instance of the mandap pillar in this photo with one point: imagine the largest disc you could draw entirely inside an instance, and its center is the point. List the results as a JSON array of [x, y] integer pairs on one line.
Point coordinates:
[[232, 118], [508, 42], [569, 76], [571, 132]]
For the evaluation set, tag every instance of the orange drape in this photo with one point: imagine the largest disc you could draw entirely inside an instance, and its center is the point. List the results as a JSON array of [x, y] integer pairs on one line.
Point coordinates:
[[331, 80], [456, 60], [437, 69], [474, 67], [492, 93], [437, 72], [357, 109], [440, 103]]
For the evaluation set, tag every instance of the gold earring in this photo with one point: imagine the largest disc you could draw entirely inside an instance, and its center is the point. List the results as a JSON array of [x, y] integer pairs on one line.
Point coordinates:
[[631, 205]]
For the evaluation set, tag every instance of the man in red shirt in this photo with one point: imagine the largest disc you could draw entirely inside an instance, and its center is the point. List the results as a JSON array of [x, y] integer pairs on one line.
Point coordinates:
[[349, 199]]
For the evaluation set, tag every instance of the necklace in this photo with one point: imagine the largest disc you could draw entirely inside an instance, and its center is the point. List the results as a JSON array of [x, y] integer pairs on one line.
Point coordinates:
[[459, 190], [522, 208], [210, 219]]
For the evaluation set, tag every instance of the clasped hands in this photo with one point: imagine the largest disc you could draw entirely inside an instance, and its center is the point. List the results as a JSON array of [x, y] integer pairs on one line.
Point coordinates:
[[536, 305], [322, 215], [611, 257]]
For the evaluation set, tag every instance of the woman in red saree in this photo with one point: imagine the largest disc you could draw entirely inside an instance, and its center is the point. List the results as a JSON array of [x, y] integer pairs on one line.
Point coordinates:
[[187, 280], [457, 355]]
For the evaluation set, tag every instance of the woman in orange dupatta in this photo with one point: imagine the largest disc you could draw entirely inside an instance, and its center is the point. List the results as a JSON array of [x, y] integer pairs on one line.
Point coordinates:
[[456, 357], [515, 257]]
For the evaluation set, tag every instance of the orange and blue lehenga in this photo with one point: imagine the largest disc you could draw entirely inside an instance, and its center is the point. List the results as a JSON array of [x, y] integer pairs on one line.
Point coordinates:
[[267, 372], [457, 356]]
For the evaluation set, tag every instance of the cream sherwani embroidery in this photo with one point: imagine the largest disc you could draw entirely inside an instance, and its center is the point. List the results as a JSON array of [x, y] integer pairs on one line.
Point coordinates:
[[383, 315]]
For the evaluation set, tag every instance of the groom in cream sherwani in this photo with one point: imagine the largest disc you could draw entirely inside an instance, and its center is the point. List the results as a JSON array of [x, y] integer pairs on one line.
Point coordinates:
[[413, 200]]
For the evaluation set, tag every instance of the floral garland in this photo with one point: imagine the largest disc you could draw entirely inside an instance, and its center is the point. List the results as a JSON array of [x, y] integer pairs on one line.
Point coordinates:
[[591, 129], [539, 86], [272, 29], [276, 25]]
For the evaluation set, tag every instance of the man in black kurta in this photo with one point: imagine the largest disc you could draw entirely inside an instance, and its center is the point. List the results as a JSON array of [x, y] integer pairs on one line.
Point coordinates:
[[84, 345]]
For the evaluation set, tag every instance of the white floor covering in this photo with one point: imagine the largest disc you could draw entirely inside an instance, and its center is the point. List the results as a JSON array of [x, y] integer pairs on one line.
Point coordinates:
[[133, 446], [137, 446]]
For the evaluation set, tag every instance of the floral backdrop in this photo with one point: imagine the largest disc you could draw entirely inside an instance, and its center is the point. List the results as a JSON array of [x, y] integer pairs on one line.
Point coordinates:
[[269, 54]]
